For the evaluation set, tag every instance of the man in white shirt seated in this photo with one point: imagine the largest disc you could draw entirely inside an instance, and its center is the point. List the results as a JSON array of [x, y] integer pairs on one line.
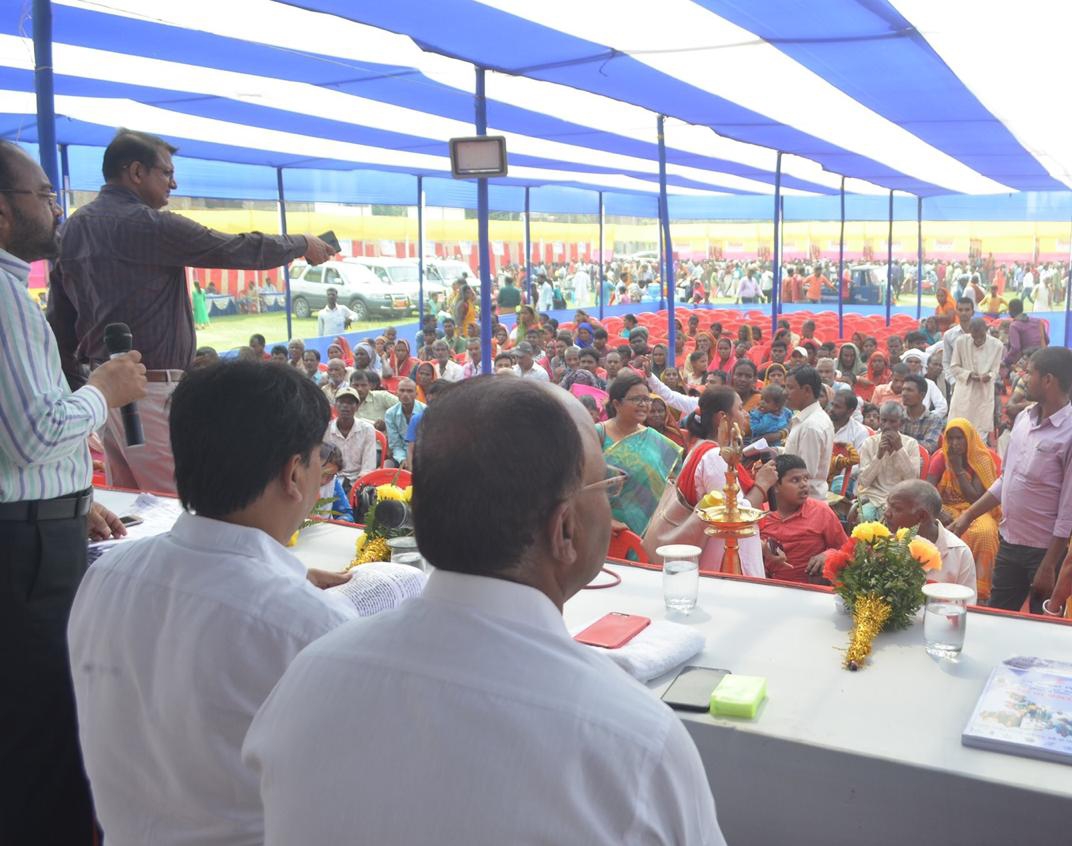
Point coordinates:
[[934, 400], [812, 434], [886, 458], [849, 437], [469, 715], [917, 504], [446, 367], [526, 363], [177, 639]]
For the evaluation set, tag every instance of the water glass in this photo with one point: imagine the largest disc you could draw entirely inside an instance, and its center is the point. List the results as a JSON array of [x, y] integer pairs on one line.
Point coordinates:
[[945, 618], [681, 576], [400, 546]]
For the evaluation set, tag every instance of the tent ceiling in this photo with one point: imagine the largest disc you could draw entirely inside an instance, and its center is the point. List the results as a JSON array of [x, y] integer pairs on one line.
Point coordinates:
[[844, 87]]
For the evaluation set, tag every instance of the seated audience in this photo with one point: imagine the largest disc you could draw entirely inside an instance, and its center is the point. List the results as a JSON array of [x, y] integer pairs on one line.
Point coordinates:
[[356, 439], [372, 405], [886, 458], [176, 640], [890, 391], [446, 367], [204, 356], [279, 354], [335, 379], [934, 399], [397, 419], [311, 365], [849, 437], [915, 504], [925, 426], [331, 488], [662, 419], [486, 644], [798, 531]]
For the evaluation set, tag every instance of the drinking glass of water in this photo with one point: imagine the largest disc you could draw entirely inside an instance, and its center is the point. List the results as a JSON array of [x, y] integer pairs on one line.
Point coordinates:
[[681, 576], [945, 618]]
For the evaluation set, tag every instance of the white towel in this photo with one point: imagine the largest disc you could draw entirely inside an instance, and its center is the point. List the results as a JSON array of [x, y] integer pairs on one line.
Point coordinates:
[[657, 649]]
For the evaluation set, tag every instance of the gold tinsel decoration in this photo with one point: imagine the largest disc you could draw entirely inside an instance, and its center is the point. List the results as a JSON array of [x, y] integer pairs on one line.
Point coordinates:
[[869, 616], [375, 549]]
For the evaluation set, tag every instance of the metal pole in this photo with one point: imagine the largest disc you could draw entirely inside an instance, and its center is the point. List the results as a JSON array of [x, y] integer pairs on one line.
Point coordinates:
[[528, 249], [46, 104], [841, 268], [919, 258], [889, 265], [420, 252], [599, 273], [1068, 302], [668, 245], [776, 287], [66, 195], [283, 230], [482, 233]]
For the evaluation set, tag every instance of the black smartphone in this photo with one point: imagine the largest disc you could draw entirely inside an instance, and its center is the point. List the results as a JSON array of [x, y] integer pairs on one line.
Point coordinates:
[[691, 690], [330, 239], [130, 520]]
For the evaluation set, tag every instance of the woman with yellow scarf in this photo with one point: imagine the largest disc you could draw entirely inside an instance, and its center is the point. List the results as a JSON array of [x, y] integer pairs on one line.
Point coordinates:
[[962, 471]]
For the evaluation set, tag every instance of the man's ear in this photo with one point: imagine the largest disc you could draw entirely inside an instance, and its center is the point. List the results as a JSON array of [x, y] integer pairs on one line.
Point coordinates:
[[290, 477], [561, 526]]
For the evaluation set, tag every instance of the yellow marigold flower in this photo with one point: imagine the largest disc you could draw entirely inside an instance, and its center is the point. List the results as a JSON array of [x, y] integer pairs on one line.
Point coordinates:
[[293, 539], [359, 544], [926, 553], [407, 494], [390, 492], [871, 532], [902, 534]]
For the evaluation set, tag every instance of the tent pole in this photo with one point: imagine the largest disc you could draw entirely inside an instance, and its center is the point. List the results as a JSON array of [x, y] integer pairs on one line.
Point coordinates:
[[889, 265], [65, 181], [528, 248], [776, 287], [668, 246], [420, 251], [283, 230], [46, 103], [482, 233], [841, 268], [1068, 302], [599, 274], [919, 258]]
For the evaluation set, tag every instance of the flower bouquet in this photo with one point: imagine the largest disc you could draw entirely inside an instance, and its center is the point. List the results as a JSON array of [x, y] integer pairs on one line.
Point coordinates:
[[372, 545], [880, 577]]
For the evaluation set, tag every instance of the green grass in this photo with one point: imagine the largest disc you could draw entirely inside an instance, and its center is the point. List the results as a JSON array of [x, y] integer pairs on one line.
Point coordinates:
[[226, 333]]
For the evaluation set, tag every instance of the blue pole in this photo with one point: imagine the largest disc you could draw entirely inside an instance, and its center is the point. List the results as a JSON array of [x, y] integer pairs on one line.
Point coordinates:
[[65, 177], [482, 233], [841, 268], [46, 104], [919, 258], [668, 245], [599, 274], [283, 230], [528, 249], [776, 287], [889, 265], [420, 252]]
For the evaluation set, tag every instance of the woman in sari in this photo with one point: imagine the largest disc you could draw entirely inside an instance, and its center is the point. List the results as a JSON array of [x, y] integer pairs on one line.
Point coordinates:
[[664, 420], [424, 374], [877, 374], [723, 359], [744, 383], [671, 377], [526, 319], [465, 310], [962, 471], [584, 335], [501, 337], [658, 360], [347, 353], [645, 455], [705, 344], [775, 375], [947, 306]]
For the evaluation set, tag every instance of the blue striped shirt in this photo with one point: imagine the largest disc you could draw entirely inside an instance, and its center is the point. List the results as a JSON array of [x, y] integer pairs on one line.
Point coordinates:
[[43, 426]]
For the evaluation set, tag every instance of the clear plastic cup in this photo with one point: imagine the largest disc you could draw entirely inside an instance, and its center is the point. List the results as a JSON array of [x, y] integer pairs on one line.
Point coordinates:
[[946, 618], [681, 576]]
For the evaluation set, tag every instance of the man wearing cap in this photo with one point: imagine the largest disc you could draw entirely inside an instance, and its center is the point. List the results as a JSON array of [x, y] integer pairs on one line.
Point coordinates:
[[372, 405], [527, 363], [935, 400], [356, 439]]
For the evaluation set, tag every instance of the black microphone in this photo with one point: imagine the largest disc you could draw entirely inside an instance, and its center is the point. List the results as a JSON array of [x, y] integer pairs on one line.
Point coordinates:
[[118, 340]]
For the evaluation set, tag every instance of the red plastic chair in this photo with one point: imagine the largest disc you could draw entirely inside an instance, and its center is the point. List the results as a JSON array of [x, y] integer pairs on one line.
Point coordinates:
[[924, 461], [625, 542], [381, 443], [383, 476]]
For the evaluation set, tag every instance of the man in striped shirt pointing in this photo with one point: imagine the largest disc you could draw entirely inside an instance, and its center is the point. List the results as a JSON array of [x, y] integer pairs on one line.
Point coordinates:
[[45, 502]]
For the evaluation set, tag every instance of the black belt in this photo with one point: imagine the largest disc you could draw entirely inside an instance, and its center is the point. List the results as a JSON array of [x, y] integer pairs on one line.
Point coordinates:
[[61, 508]]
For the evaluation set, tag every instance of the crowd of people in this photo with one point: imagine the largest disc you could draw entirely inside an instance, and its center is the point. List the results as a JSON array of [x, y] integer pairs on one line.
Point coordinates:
[[203, 675]]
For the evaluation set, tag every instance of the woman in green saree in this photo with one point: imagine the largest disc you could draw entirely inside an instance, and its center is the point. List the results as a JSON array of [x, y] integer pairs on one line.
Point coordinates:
[[646, 456]]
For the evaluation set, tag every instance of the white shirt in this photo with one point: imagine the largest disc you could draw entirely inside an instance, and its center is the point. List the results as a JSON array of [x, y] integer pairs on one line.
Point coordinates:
[[535, 372], [175, 642], [935, 399], [358, 447], [332, 321], [958, 563], [854, 432], [949, 338], [469, 716], [812, 438], [878, 476], [452, 371]]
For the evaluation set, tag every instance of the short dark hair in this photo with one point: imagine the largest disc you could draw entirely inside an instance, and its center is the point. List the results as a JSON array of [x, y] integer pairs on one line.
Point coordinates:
[[1016, 307], [436, 388], [622, 384], [588, 352], [312, 350], [600, 334], [262, 416], [279, 348], [786, 462], [780, 343], [511, 419], [808, 377], [258, 337], [850, 399], [900, 369], [331, 454], [359, 376], [918, 381], [714, 400], [1056, 362], [968, 301], [131, 146], [745, 362]]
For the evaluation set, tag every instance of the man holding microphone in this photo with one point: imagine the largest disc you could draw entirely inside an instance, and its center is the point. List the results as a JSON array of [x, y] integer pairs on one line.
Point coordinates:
[[123, 260], [46, 513]]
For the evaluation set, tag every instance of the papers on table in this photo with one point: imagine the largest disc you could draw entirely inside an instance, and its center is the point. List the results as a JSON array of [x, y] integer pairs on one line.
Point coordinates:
[[380, 586], [157, 516], [656, 650]]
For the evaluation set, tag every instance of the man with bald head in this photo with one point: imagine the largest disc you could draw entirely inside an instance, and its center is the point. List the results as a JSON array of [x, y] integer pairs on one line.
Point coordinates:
[[886, 458], [484, 651], [396, 420], [974, 371]]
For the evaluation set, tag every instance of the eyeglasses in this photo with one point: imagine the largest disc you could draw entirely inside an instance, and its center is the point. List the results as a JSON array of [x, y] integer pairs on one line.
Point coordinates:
[[639, 400], [613, 483], [51, 196]]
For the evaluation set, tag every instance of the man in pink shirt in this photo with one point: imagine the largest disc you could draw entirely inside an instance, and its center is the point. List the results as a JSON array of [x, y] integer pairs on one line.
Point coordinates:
[[1035, 489]]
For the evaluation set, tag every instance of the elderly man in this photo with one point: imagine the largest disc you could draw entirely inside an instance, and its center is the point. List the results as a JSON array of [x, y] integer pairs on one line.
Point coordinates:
[[484, 651], [177, 639], [812, 433], [526, 363], [974, 368], [446, 367], [915, 504], [886, 458], [335, 379], [397, 420], [934, 398]]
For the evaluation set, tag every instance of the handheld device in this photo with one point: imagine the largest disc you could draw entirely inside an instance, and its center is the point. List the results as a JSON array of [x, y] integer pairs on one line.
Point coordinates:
[[330, 239], [131, 520], [613, 630], [691, 689], [118, 341]]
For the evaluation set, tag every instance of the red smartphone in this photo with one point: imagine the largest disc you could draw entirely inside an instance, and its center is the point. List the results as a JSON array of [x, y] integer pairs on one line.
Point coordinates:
[[613, 630]]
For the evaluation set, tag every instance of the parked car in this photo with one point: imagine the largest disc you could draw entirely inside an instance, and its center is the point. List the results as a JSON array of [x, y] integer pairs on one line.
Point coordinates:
[[401, 274], [868, 284], [445, 271], [359, 288]]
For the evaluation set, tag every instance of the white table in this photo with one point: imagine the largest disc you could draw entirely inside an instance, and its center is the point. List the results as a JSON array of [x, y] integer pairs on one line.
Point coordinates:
[[872, 757]]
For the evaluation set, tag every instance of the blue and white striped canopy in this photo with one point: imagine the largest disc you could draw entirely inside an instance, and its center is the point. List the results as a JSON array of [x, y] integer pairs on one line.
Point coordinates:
[[928, 98]]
